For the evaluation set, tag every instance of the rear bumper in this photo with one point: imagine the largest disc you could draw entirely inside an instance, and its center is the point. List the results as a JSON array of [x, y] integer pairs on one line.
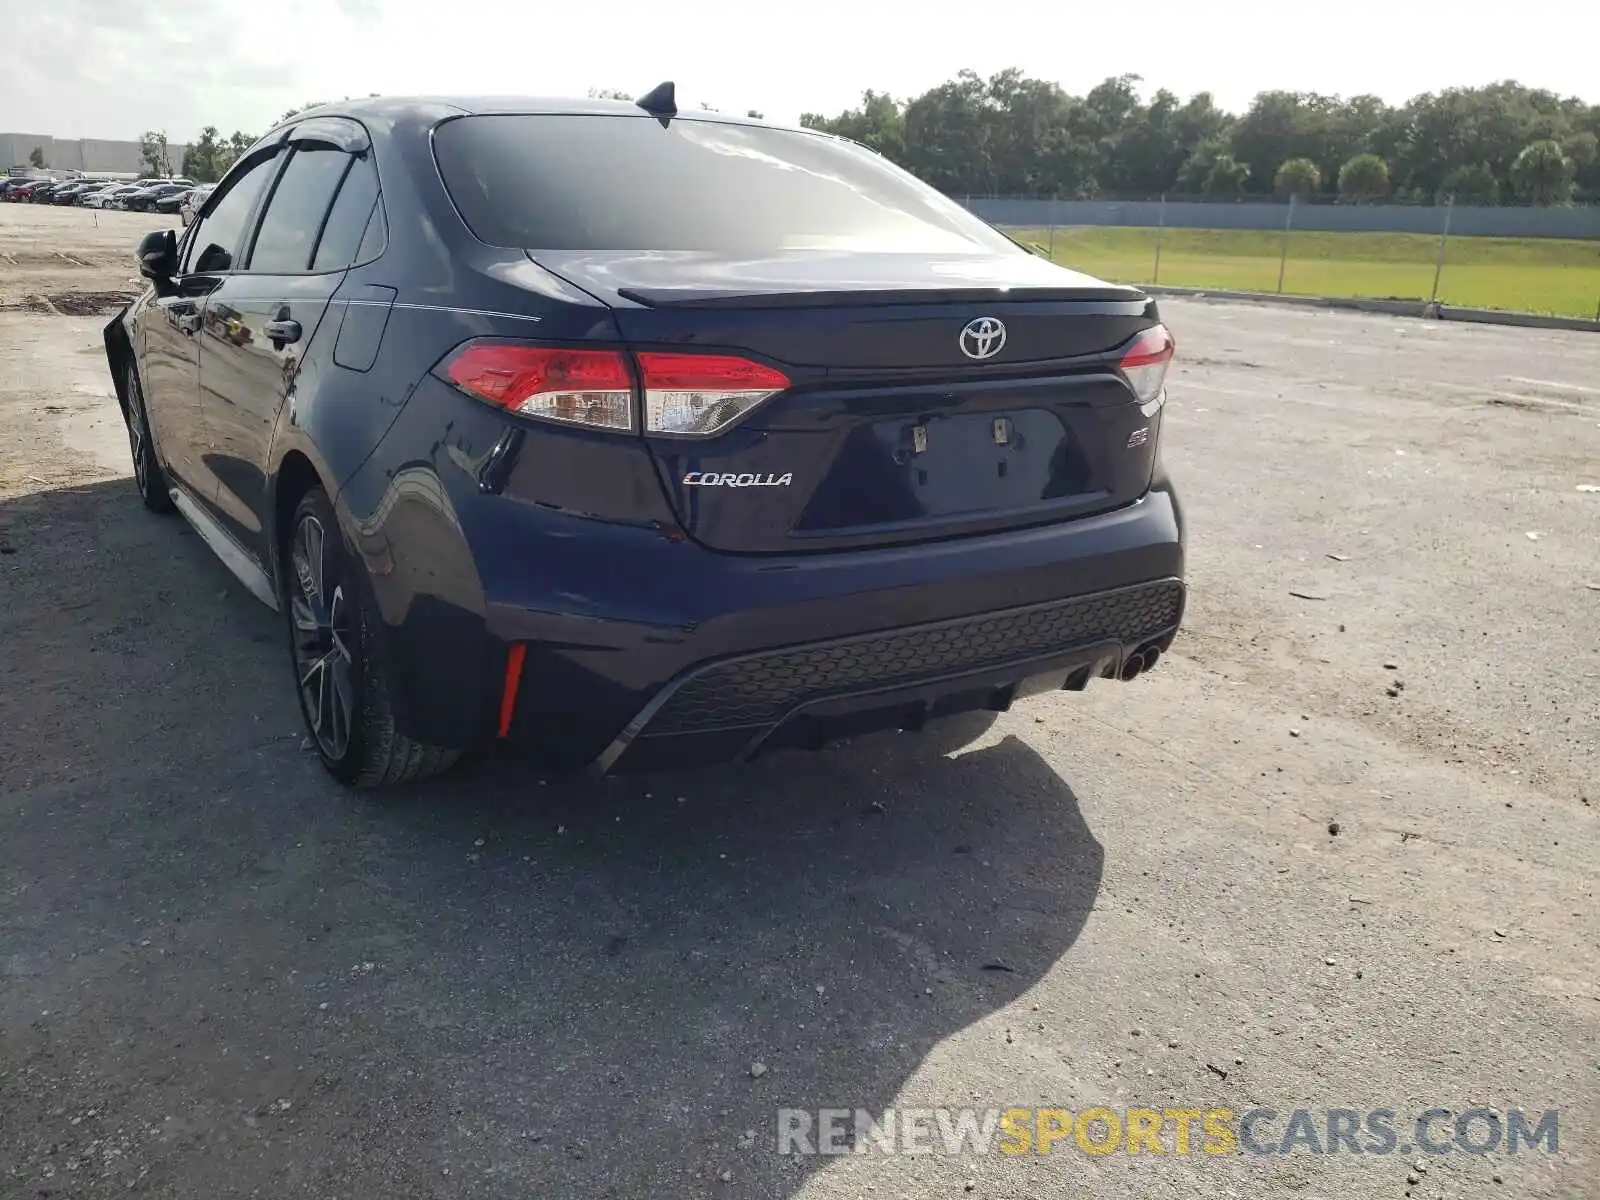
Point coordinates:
[[734, 708], [641, 649]]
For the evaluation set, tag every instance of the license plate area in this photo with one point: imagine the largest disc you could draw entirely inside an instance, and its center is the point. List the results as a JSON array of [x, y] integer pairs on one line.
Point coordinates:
[[960, 464]]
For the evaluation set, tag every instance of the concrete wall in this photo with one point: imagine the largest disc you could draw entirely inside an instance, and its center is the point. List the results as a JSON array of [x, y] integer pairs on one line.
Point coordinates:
[[15, 147], [78, 154], [1465, 220]]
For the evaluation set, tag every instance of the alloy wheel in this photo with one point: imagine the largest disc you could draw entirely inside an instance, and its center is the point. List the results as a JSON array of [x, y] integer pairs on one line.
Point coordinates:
[[322, 618], [138, 436]]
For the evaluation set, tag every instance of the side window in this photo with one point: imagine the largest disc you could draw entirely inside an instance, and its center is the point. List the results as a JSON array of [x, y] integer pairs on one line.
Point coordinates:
[[215, 237], [348, 219], [376, 239], [296, 210]]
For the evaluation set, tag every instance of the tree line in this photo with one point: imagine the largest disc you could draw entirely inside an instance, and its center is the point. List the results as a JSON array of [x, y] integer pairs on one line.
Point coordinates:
[[1010, 135]]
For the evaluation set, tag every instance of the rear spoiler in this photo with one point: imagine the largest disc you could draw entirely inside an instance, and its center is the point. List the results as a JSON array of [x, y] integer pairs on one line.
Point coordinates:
[[711, 298]]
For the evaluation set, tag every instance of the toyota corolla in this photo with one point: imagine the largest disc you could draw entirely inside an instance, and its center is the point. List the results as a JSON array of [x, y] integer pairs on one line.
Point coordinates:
[[642, 437]]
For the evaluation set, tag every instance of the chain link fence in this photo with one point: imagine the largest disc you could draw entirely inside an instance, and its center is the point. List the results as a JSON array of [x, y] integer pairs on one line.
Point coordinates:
[[1538, 260]]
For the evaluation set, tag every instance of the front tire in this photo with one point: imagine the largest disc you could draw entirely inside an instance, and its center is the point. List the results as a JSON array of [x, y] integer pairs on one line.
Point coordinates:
[[147, 473], [339, 678]]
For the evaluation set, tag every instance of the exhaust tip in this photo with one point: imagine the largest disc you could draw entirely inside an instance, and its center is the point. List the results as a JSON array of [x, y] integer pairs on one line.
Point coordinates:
[[1131, 666]]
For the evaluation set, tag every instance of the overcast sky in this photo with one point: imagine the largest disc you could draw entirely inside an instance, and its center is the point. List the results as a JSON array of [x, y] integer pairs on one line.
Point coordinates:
[[113, 68]]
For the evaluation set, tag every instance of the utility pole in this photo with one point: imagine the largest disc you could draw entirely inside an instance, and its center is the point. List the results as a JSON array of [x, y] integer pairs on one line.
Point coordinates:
[[1283, 259], [1161, 230], [1438, 262]]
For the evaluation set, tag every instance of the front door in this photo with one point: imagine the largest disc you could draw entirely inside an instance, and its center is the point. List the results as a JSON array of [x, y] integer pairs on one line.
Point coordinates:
[[168, 330], [172, 326]]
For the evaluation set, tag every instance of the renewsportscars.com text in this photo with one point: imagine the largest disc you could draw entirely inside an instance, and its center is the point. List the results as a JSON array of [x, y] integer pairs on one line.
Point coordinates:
[[1182, 1131]]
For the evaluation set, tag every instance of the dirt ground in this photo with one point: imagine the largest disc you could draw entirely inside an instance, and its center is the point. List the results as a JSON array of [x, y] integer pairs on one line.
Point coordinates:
[[1338, 851]]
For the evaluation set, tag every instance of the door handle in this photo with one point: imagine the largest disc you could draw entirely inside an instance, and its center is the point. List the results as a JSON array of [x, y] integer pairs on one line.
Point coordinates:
[[283, 332]]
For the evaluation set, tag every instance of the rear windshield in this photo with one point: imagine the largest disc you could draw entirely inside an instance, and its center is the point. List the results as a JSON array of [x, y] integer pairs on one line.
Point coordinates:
[[576, 182]]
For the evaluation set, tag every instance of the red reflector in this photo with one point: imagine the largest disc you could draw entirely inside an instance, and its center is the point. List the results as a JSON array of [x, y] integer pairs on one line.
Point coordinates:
[[510, 375], [1154, 345], [708, 373], [508, 694]]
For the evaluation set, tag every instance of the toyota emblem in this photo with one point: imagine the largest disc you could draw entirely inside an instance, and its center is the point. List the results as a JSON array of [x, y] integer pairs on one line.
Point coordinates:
[[983, 337]]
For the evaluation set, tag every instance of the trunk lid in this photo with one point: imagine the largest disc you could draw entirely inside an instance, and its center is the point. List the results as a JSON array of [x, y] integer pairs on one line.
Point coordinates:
[[896, 428]]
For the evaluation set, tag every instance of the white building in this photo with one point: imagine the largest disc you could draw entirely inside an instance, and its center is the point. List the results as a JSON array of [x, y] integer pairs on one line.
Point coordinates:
[[78, 154]]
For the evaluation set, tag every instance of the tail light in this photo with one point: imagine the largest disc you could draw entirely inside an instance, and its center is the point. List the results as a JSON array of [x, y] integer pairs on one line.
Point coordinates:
[[579, 387], [1144, 365], [698, 394], [685, 395]]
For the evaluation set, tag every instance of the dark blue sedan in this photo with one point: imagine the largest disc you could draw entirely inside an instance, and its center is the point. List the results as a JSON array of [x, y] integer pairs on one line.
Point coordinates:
[[640, 437]]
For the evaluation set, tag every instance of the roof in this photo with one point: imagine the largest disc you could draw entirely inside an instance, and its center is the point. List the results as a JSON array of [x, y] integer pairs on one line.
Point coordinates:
[[389, 106]]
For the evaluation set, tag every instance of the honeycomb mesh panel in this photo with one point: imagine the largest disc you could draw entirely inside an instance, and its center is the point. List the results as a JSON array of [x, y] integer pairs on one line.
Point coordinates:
[[761, 689]]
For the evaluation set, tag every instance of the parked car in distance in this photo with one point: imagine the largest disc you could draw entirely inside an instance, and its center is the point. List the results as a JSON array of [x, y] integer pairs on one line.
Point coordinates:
[[138, 192], [96, 189], [171, 202], [644, 438], [107, 196], [192, 202], [144, 200], [44, 193], [69, 193]]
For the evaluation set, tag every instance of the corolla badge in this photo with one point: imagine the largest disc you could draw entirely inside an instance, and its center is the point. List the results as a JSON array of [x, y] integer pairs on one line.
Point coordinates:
[[724, 479], [983, 337]]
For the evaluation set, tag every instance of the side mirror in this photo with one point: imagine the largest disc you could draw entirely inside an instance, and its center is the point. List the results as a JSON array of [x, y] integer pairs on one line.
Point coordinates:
[[158, 257]]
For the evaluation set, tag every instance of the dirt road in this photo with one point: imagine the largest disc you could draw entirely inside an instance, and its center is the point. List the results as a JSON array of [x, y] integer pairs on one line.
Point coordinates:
[[1339, 851]]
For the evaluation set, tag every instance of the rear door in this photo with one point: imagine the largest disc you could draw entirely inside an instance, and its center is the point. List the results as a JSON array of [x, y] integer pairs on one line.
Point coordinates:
[[832, 353], [264, 318]]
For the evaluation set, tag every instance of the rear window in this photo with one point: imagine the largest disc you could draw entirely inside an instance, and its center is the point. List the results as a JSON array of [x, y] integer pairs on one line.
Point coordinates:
[[576, 182]]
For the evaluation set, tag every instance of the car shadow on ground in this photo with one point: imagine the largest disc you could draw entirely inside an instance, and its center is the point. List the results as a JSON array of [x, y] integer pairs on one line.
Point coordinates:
[[496, 983]]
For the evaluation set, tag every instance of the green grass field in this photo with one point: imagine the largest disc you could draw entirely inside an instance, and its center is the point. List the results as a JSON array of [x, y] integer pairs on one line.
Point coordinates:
[[1544, 275]]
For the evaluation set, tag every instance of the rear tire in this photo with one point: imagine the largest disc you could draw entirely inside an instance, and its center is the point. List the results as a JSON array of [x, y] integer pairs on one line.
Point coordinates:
[[147, 474], [339, 677]]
